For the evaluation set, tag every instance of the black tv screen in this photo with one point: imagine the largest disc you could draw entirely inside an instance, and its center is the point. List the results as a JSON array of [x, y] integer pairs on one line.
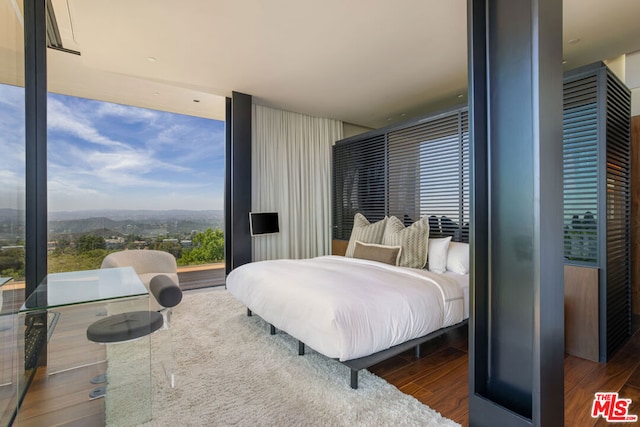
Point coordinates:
[[263, 223]]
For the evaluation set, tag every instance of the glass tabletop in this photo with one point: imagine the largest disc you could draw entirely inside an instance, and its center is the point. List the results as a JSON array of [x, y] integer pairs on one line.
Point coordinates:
[[79, 287]]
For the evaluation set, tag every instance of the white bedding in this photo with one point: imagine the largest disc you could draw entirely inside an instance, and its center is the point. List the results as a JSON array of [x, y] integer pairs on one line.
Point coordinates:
[[347, 308]]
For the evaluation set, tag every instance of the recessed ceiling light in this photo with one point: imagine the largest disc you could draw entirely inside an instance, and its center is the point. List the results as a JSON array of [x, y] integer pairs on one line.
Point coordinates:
[[574, 41], [460, 96], [196, 100], [403, 114], [151, 59], [564, 61], [156, 93], [389, 119]]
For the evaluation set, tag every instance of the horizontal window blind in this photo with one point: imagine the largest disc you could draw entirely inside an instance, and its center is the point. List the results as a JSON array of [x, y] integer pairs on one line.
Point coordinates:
[[359, 183], [426, 173], [580, 158]]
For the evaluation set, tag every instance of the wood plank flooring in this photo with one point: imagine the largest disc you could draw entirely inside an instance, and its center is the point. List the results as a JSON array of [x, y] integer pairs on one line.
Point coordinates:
[[438, 379]]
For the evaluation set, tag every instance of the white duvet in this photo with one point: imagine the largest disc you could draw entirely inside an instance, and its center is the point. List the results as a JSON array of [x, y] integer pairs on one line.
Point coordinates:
[[347, 308]]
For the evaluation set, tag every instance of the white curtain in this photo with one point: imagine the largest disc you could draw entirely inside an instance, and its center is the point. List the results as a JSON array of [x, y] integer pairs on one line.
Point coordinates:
[[291, 175]]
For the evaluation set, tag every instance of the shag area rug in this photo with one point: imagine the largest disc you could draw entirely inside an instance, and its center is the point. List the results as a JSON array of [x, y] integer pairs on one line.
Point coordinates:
[[231, 372]]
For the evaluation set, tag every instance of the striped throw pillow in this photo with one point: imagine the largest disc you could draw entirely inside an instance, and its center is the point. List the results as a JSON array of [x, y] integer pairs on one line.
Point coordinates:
[[365, 232], [413, 239]]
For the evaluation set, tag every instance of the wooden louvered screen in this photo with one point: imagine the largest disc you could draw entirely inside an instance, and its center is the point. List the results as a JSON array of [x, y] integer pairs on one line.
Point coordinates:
[[426, 172], [580, 128], [597, 193], [618, 212]]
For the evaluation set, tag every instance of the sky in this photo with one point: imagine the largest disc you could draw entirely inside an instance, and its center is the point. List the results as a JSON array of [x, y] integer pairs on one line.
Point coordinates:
[[111, 156]]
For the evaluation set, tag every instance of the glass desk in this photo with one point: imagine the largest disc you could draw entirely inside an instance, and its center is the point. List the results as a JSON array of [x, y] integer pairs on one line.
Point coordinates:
[[82, 287], [55, 318]]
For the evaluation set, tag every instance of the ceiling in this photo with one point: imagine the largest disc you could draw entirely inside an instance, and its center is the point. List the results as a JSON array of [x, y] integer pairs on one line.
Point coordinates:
[[369, 66]]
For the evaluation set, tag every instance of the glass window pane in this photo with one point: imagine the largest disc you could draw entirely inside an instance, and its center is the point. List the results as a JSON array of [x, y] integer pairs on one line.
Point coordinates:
[[12, 197]]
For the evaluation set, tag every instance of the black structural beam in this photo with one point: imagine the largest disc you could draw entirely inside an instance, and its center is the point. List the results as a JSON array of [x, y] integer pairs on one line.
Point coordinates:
[[516, 345], [238, 181], [227, 187], [35, 144]]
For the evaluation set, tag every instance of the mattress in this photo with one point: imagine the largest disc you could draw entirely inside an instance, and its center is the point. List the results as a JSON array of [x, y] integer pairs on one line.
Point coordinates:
[[463, 281], [347, 308]]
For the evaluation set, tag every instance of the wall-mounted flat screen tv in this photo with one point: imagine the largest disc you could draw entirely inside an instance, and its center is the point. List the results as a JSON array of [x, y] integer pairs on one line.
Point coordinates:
[[263, 223]]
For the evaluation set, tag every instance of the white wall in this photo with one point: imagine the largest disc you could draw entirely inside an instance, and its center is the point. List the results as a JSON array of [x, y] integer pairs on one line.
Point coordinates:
[[632, 80], [349, 129]]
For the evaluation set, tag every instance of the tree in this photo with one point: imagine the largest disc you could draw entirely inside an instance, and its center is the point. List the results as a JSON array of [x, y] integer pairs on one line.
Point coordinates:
[[208, 246], [63, 243], [173, 248], [90, 242], [12, 263]]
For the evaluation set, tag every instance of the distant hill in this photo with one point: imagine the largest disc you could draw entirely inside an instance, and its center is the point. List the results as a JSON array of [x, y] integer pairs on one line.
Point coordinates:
[[11, 216], [145, 215], [145, 223]]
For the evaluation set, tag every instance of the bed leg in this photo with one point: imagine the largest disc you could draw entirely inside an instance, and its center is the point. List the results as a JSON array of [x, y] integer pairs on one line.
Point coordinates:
[[300, 348], [249, 313], [272, 329], [354, 379], [418, 351]]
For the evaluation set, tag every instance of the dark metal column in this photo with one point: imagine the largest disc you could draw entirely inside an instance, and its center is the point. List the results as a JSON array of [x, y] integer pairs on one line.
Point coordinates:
[[36, 143], [228, 241], [238, 176], [516, 346]]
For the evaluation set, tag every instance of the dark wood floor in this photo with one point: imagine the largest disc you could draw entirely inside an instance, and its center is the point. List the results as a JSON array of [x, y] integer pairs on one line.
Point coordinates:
[[438, 379]]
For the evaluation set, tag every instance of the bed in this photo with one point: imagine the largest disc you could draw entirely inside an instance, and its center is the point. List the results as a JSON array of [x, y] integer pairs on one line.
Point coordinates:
[[357, 311]]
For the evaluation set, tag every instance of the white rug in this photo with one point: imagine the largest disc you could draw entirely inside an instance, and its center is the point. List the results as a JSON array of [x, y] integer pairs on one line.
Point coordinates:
[[230, 371]]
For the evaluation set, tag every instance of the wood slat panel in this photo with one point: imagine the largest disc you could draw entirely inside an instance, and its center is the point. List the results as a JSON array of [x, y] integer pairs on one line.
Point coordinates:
[[635, 214], [581, 311]]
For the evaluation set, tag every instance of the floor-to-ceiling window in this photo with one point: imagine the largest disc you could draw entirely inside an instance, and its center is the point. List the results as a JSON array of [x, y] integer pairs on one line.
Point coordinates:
[[133, 161], [123, 177], [12, 194]]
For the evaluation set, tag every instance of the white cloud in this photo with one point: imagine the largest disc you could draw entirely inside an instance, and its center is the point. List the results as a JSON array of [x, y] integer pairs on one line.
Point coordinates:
[[12, 96], [127, 113], [12, 190], [110, 155], [60, 117]]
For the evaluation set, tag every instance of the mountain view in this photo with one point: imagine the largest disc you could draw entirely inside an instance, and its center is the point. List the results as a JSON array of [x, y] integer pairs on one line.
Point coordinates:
[[114, 223], [132, 165], [178, 224], [79, 240]]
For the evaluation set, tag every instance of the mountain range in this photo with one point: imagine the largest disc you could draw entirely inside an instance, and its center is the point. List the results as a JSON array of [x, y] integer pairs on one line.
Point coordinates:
[[145, 223]]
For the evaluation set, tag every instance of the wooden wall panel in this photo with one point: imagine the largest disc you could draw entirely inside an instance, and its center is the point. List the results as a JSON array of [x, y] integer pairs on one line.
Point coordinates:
[[635, 213], [339, 247], [581, 312]]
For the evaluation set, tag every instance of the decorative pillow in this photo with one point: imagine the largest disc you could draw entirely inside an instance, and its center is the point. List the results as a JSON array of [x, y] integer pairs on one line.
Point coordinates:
[[373, 252], [458, 258], [438, 254], [365, 232], [413, 239]]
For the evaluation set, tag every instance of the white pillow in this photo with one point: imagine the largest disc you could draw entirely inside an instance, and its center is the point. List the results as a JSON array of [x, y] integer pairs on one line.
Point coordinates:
[[458, 258], [365, 232], [413, 239], [438, 254]]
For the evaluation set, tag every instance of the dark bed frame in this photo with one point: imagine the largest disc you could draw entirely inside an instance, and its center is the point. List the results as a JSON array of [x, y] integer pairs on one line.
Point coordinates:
[[364, 362]]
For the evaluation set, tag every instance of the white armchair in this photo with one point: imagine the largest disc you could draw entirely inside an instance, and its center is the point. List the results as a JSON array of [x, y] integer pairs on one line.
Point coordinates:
[[147, 264]]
